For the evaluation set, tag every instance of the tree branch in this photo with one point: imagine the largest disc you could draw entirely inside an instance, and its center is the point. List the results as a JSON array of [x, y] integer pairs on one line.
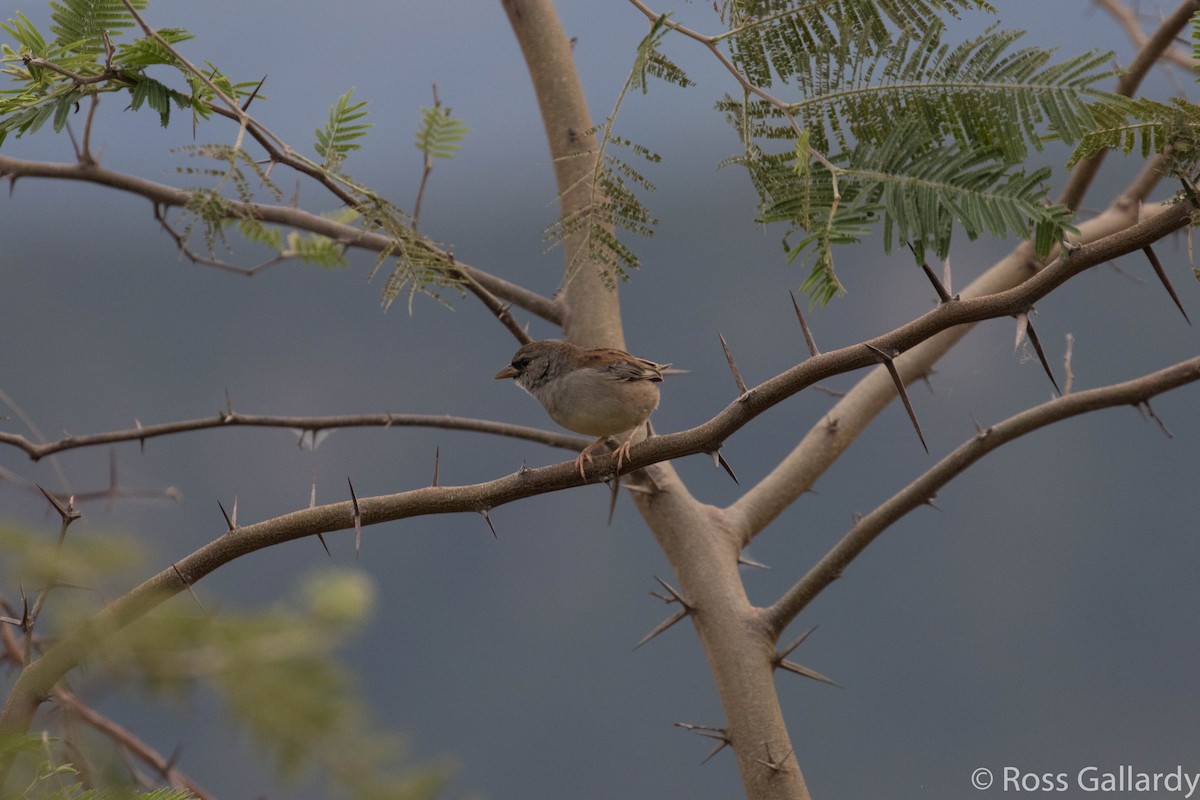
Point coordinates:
[[919, 492], [1131, 78], [163, 195], [305, 425]]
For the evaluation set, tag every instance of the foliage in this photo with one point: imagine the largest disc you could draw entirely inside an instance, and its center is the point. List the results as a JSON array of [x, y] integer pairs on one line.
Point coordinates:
[[338, 137], [276, 669], [919, 143], [613, 203], [440, 134]]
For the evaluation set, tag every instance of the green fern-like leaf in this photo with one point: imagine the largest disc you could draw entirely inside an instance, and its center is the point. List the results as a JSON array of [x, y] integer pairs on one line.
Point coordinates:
[[650, 61], [158, 96], [955, 92], [917, 188], [776, 38], [614, 206], [1171, 129], [440, 135], [341, 131], [81, 25], [145, 52]]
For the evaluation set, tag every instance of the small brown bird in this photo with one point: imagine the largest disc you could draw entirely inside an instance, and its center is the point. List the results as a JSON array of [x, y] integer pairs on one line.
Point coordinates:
[[599, 391]]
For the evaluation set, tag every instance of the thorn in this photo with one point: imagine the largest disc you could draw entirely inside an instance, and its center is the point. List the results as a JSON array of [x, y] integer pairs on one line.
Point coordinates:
[[719, 461], [1041, 354], [67, 513], [826, 390], [808, 337], [737, 376], [662, 626], [173, 761], [253, 94], [745, 561], [142, 439], [891, 368], [188, 585], [228, 522], [228, 406], [488, 519], [720, 734], [672, 596], [357, 521], [781, 661], [615, 486], [1022, 325], [1162, 277], [437, 459], [1155, 417], [774, 766], [312, 503], [931, 501], [943, 295], [805, 672]]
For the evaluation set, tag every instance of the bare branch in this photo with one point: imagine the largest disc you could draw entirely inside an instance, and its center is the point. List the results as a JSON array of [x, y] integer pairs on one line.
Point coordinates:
[[916, 494], [140, 433]]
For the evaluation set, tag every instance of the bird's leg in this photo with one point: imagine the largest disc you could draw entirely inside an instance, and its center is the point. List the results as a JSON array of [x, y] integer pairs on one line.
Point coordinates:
[[586, 455], [622, 451]]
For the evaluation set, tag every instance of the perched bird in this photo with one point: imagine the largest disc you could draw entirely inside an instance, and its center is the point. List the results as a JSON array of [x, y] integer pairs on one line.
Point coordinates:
[[600, 391]]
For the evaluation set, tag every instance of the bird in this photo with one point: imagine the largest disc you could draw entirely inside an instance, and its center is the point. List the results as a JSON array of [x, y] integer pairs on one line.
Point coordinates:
[[598, 391]]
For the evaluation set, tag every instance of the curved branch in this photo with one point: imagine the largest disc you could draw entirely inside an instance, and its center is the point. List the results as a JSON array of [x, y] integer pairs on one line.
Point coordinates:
[[820, 447], [38, 680], [922, 490], [305, 425], [163, 195]]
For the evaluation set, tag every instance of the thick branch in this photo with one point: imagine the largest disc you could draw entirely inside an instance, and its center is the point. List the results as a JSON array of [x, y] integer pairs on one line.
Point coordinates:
[[920, 491]]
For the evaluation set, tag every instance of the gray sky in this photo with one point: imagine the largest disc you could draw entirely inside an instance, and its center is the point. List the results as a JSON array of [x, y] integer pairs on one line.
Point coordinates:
[[1045, 618]]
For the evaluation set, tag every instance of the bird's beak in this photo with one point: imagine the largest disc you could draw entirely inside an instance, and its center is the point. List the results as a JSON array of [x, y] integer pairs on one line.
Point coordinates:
[[507, 372]]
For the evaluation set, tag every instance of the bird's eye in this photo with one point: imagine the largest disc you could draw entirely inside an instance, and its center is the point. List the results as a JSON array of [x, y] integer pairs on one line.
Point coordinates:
[[519, 364]]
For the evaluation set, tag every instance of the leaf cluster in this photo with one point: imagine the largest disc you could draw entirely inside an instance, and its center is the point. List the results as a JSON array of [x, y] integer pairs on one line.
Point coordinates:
[[83, 59], [913, 134], [341, 131]]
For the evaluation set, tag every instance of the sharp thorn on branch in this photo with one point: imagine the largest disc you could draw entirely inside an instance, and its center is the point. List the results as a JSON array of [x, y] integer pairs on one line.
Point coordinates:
[[488, 519], [808, 337], [188, 585], [746, 561], [614, 485], [254, 94], [782, 662], [888, 363], [938, 286], [1041, 354], [737, 376], [662, 626], [357, 520], [1162, 277], [719, 461], [437, 460], [720, 734], [229, 526], [1156, 418]]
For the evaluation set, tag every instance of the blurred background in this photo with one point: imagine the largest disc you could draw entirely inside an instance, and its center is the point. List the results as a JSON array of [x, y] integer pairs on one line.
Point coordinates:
[[1045, 617]]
